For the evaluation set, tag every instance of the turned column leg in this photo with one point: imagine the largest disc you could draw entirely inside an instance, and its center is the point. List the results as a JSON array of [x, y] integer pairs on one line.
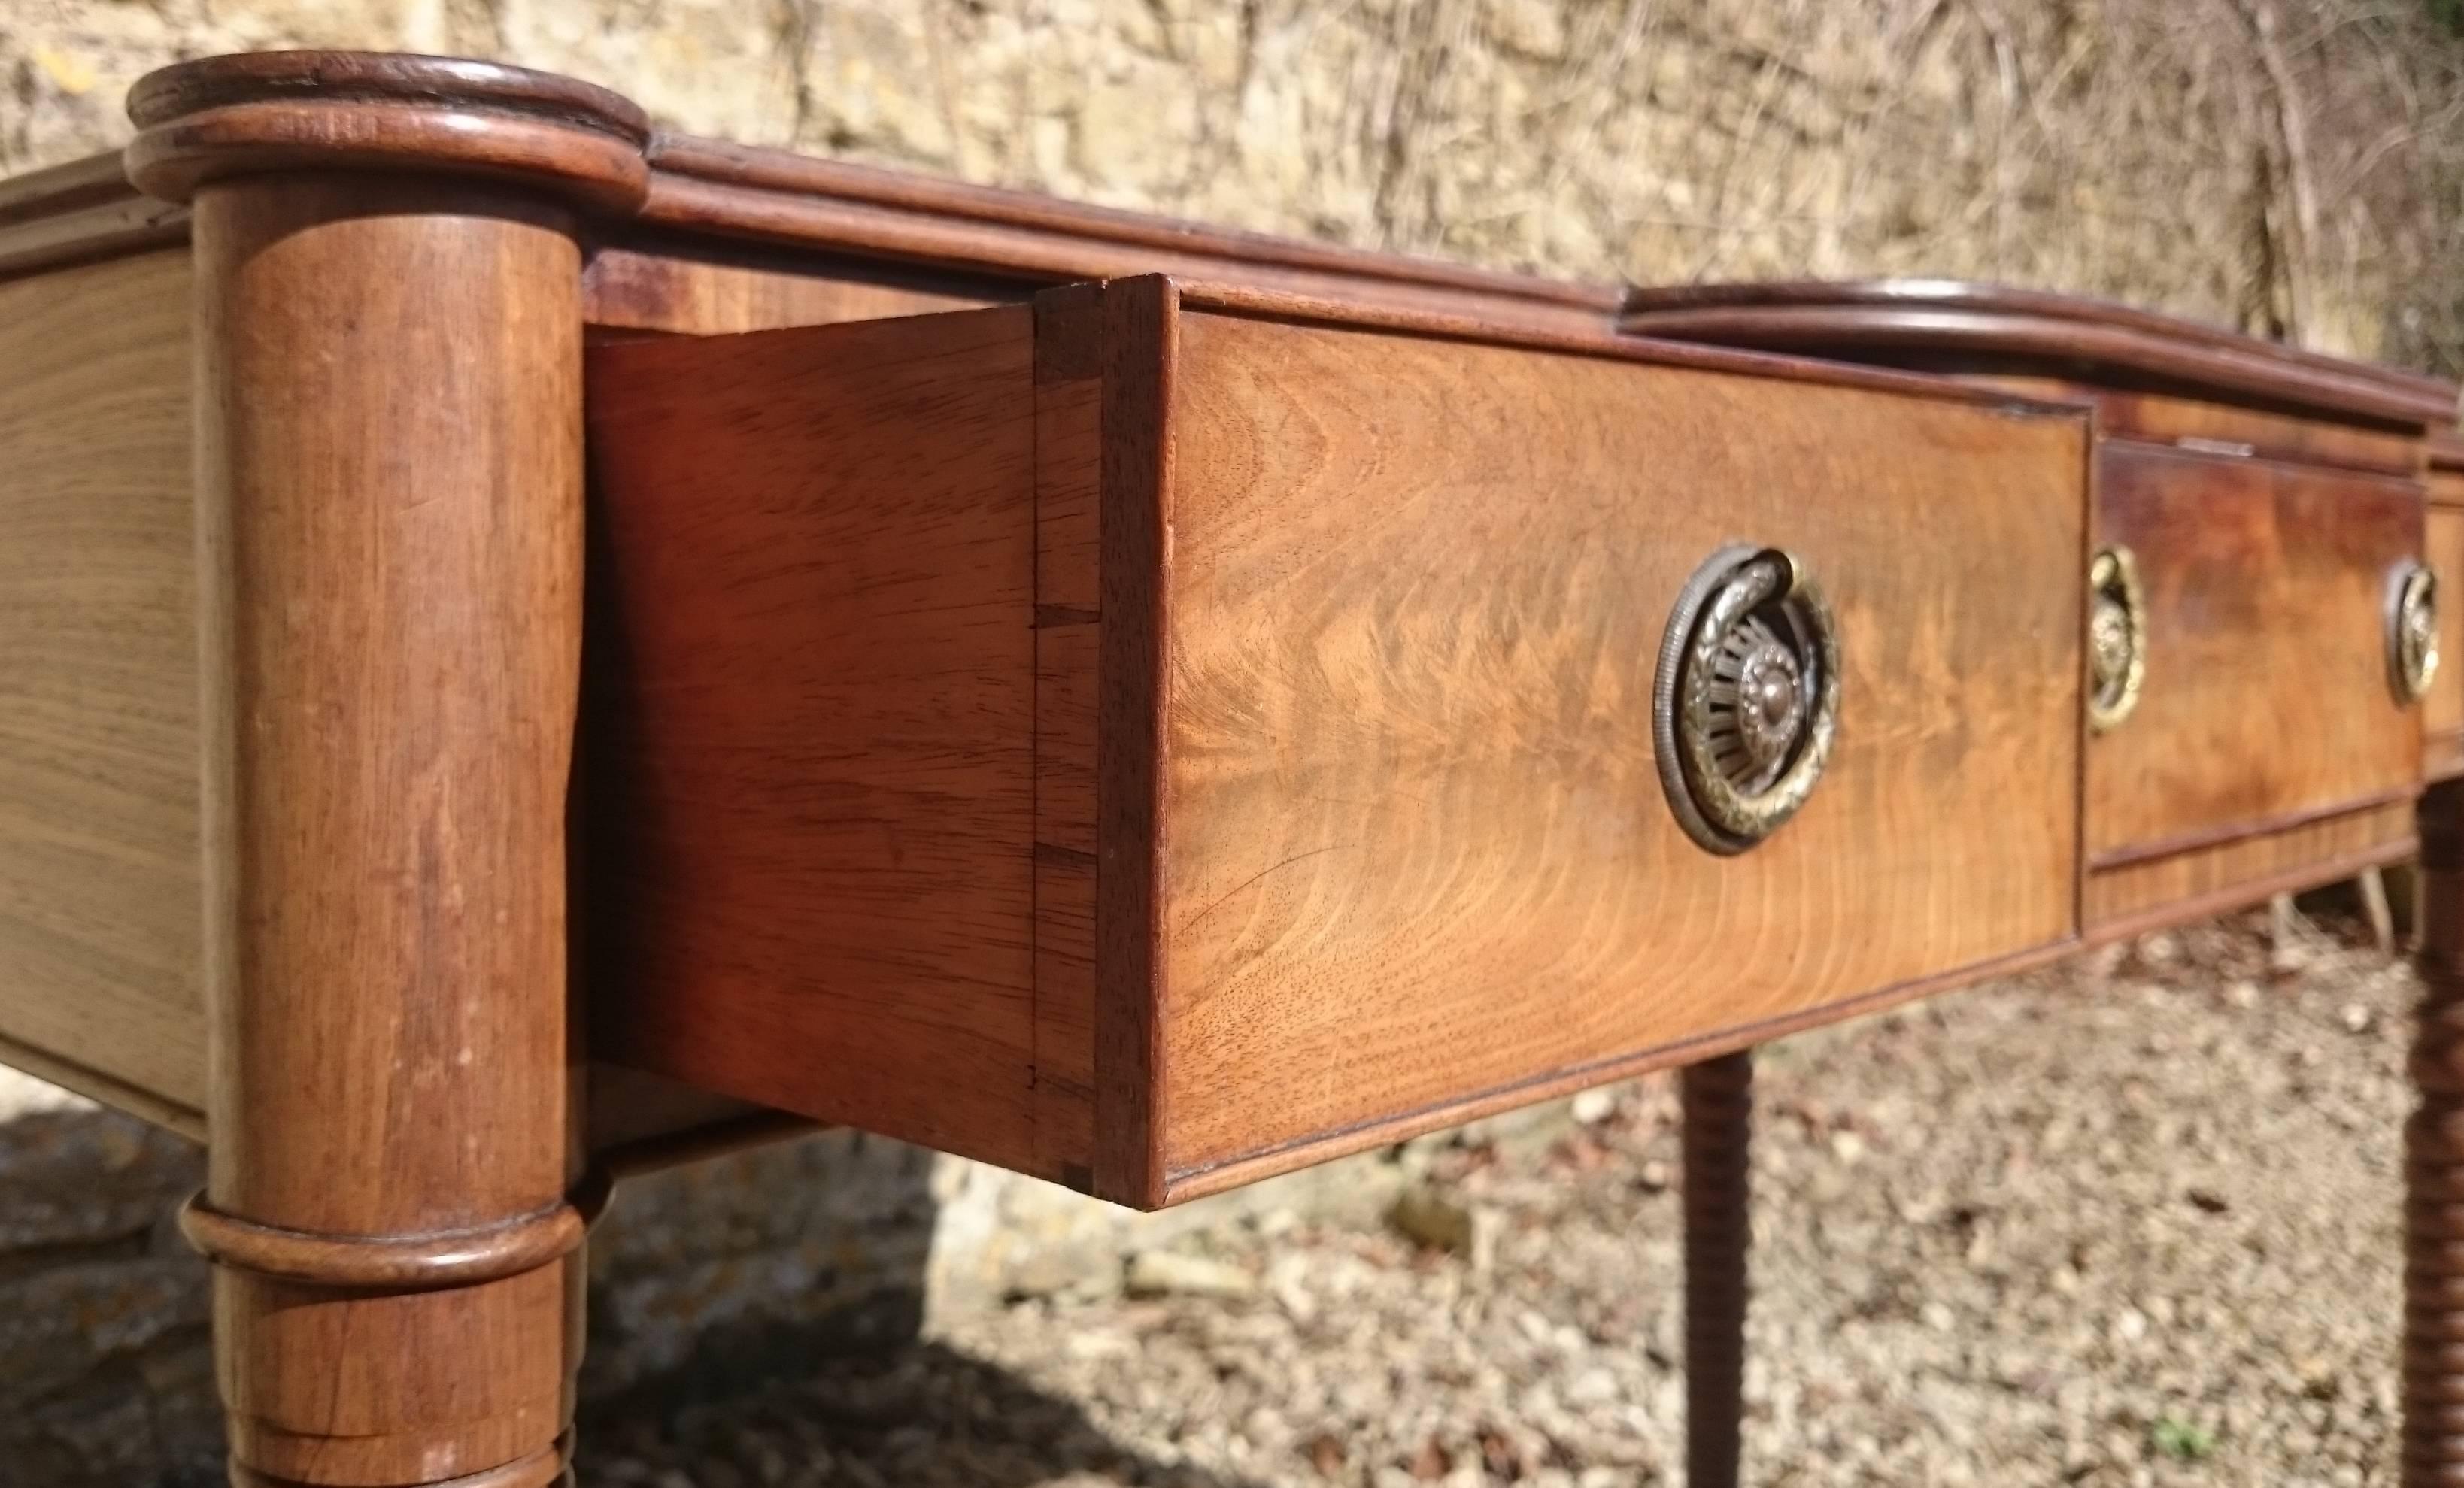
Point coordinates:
[[1717, 1098], [2434, 1208], [389, 536]]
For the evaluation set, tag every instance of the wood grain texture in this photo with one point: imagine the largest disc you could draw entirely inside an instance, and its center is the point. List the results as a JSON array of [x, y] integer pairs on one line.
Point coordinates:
[[1136, 816], [750, 167], [1416, 848], [79, 210], [2266, 587], [2446, 466], [954, 677], [1466, 323], [224, 116], [99, 914], [2442, 755], [2442, 710], [659, 284], [628, 1108], [389, 503], [1069, 599], [100, 921], [1916, 293], [2442, 742], [216, 115], [2207, 881], [655, 284], [811, 708], [2204, 426], [1981, 326], [708, 187], [1403, 1125], [185, 1121]]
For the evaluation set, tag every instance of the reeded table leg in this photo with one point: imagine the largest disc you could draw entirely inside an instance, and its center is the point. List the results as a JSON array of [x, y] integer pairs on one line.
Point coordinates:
[[1717, 1098], [2434, 1208], [389, 507]]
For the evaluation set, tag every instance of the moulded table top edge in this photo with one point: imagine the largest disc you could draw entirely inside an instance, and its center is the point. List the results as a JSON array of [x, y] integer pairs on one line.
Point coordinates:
[[721, 193]]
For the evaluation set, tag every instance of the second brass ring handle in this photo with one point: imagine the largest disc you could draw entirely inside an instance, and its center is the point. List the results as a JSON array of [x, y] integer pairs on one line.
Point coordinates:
[[2117, 637], [1746, 701], [2412, 632]]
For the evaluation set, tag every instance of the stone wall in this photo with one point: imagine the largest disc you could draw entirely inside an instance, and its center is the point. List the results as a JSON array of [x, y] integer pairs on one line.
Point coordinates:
[[2286, 165], [2290, 166]]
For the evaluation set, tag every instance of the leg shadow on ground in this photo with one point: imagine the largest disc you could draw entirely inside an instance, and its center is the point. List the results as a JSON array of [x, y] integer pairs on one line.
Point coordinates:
[[917, 1415]]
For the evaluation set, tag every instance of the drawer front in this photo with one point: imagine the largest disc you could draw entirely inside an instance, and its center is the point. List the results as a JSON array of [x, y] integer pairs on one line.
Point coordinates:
[[1415, 854], [2201, 426], [1151, 743], [2266, 702], [2442, 712]]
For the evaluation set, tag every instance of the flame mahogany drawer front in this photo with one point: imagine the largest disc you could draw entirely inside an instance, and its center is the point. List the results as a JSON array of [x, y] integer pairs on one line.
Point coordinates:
[[2267, 702], [1154, 741], [2261, 511], [2442, 712]]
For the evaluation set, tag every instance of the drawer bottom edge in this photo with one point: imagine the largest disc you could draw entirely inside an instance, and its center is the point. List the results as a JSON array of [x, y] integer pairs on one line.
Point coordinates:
[[2442, 753], [2132, 898], [1182, 1185], [105, 1090]]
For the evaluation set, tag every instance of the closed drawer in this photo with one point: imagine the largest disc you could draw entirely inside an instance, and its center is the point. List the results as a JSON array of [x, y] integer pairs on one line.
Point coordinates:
[[1207, 738], [2442, 712], [2267, 706]]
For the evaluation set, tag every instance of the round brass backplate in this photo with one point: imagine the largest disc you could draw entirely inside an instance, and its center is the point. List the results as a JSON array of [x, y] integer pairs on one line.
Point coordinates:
[[2116, 638], [1746, 700], [2412, 632]]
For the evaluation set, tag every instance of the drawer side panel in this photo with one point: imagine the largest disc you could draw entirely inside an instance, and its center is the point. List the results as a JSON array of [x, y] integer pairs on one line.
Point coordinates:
[[807, 785], [101, 914]]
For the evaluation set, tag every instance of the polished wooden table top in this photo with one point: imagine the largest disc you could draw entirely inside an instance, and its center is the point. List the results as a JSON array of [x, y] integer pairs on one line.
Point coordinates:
[[542, 647]]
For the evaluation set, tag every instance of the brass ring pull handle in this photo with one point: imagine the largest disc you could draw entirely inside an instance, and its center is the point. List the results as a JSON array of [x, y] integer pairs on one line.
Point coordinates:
[[2412, 632], [1746, 700], [2116, 638]]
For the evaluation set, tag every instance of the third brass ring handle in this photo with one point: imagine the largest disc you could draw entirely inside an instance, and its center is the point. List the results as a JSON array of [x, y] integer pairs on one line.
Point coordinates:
[[2412, 632], [2117, 637], [1746, 700]]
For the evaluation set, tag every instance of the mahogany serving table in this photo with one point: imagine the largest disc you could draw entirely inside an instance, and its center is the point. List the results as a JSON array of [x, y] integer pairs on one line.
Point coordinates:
[[535, 647]]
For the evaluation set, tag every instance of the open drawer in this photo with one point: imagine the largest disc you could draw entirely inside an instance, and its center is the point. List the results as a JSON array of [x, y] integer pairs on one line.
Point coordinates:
[[1152, 738]]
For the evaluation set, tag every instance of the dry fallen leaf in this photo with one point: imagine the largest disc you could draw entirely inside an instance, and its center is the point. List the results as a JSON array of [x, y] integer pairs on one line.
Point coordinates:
[[1325, 1454]]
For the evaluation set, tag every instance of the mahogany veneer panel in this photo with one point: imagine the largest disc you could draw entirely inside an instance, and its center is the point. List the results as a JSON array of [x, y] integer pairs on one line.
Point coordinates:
[[2200, 426], [2266, 702], [2192, 885], [1988, 328], [100, 921], [1155, 745], [2442, 755], [1415, 846], [2269, 494], [2442, 712]]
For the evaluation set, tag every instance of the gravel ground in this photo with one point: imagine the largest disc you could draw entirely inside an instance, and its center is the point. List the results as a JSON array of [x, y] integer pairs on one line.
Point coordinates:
[[2133, 1220]]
